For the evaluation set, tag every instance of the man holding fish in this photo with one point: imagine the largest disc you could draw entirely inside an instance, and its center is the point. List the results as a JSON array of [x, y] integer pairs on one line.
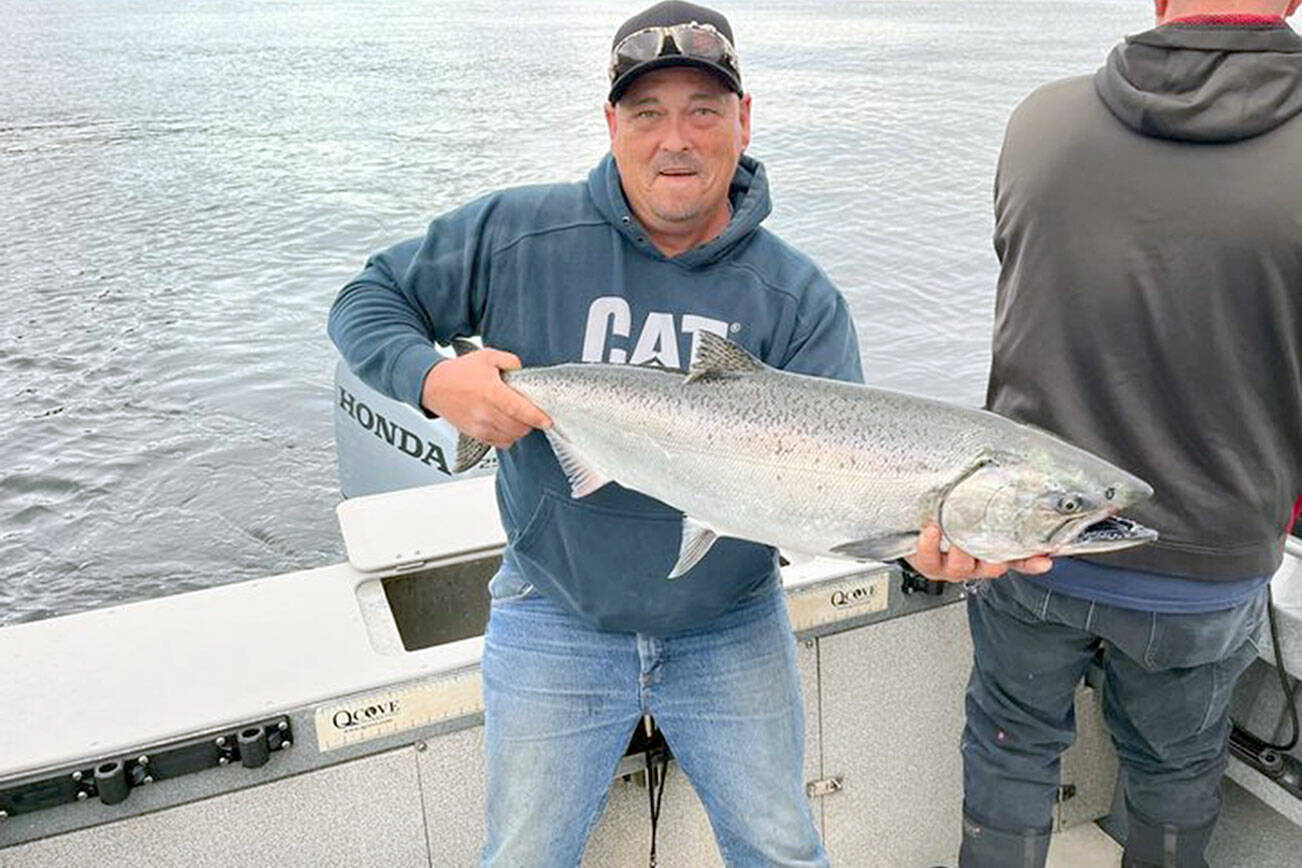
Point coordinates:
[[658, 253], [658, 260]]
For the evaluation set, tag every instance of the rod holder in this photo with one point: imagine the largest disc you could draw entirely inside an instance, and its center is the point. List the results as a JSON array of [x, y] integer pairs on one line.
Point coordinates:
[[112, 778], [254, 750], [111, 782]]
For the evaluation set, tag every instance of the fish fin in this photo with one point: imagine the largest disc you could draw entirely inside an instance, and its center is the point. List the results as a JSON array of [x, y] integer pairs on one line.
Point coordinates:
[[583, 479], [469, 452], [886, 547], [718, 357], [462, 346], [697, 539]]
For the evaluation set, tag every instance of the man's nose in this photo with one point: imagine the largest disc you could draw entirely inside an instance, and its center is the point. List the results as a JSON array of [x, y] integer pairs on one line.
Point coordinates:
[[676, 138]]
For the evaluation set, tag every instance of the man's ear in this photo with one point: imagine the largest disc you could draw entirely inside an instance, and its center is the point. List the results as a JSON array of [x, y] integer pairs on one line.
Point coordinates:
[[743, 114], [1292, 7], [1159, 7], [611, 121]]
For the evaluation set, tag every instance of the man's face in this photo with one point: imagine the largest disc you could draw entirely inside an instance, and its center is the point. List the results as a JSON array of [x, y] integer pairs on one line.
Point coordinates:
[[676, 135]]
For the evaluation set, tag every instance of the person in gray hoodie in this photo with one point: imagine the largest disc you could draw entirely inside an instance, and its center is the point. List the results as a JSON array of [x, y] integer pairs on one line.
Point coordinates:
[[1149, 309]]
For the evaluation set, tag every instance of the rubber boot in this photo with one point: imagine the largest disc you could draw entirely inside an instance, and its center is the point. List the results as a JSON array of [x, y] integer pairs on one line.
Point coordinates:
[[1165, 845], [984, 847]]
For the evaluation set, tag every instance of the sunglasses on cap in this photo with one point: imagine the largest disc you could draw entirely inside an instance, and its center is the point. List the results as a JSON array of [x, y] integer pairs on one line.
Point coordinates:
[[697, 41]]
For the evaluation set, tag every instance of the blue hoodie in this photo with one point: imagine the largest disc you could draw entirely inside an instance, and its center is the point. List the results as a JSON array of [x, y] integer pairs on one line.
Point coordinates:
[[564, 273]]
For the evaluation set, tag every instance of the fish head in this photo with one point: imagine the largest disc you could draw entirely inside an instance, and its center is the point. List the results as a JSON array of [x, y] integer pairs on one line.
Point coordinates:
[[1043, 501]]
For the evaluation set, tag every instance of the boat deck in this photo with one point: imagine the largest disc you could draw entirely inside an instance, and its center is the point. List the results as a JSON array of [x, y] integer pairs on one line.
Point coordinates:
[[882, 673]]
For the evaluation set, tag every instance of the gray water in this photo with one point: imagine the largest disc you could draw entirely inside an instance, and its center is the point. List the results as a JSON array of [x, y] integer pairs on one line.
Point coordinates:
[[186, 185]]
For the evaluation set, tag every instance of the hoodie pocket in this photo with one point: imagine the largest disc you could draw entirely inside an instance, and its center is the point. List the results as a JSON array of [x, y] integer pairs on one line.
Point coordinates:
[[610, 565]]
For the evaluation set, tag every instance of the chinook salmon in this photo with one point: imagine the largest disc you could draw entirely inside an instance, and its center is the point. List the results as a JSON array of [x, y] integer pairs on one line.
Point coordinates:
[[822, 467]]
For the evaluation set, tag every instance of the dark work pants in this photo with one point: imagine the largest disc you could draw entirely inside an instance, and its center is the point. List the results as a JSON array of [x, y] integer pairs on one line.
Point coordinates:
[[1168, 679]]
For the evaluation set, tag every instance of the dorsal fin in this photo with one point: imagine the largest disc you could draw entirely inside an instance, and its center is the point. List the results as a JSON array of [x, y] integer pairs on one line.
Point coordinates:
[[463, 346], [717, 356]]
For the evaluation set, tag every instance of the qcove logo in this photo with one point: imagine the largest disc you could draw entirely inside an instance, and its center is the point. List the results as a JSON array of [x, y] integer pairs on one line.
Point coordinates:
[[858, 595], [365, 715]]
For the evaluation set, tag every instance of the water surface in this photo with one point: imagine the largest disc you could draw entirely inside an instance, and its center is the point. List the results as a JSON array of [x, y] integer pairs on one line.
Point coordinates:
[[186, 186]]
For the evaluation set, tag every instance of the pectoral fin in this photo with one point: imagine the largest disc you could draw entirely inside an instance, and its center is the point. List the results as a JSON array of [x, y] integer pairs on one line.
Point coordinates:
[[697, 539], [886, 547], [583, 479]]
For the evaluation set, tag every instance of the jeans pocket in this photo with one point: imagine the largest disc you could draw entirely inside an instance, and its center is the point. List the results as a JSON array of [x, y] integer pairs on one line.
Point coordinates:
[[1198, 639], [1018, 597], [1225, 674]]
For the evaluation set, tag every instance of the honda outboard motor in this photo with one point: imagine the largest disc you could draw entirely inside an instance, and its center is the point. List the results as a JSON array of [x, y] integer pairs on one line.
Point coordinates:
[[385, 445]]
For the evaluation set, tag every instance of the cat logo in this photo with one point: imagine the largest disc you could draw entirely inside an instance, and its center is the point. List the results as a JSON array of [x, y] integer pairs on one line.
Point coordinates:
[[658, 340]]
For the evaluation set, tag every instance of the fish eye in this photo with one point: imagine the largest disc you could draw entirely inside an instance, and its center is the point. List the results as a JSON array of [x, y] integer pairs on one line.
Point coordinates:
[[1110, 492], [1068, 503]]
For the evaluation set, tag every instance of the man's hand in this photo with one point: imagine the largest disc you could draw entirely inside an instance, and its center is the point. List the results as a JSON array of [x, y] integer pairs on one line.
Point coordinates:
[[468, 391], [957, 565]]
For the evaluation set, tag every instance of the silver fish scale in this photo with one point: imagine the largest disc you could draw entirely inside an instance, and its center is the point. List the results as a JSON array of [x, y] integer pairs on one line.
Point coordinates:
[[799, 462]]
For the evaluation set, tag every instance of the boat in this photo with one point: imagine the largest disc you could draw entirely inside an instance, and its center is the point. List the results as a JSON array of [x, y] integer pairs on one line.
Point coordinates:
[[333, 716]]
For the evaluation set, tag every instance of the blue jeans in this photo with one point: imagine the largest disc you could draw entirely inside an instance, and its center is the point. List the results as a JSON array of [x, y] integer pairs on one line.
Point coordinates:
[[1168, 679], [561, 700]]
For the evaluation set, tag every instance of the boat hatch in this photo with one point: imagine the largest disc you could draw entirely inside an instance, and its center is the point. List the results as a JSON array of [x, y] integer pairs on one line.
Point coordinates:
[[440, 604]]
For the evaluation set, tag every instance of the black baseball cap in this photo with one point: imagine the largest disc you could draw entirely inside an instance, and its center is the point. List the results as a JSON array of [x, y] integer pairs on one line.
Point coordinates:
[[627, 66]]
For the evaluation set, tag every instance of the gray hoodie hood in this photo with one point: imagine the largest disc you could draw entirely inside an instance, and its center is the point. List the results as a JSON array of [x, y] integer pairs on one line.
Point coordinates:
[[1200, 83]]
